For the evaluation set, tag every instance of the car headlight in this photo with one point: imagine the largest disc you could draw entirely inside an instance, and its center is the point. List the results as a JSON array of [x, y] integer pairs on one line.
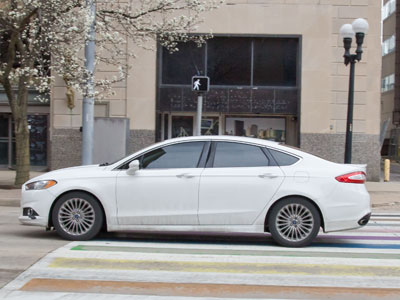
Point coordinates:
[[40, 185]]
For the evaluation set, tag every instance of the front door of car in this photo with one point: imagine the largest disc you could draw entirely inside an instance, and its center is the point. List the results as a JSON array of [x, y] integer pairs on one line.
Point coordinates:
[[164, 191], [238, 184]]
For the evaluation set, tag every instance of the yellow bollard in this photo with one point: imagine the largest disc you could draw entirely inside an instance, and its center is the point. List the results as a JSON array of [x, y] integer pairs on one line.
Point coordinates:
[[387, 170]]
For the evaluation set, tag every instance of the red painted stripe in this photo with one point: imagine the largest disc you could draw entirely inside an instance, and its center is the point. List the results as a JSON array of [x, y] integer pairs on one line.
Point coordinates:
[[208, 290]]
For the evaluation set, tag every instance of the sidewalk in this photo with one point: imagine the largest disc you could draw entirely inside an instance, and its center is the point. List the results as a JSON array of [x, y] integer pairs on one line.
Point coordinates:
[[385, 196]]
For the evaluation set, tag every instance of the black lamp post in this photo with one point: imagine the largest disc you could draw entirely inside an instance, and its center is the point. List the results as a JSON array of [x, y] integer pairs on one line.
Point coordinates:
[[359, 28]]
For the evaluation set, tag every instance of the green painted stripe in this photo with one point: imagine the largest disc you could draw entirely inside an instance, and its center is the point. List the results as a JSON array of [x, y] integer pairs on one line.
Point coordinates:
[[217, 267], [235, 252]]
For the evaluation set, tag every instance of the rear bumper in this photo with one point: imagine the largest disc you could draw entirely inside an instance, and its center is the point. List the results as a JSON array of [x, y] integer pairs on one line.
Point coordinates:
[[348, 207]]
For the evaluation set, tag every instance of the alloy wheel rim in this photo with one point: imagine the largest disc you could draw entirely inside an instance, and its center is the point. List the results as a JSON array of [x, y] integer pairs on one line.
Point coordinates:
[[294, 222], [76, 216]]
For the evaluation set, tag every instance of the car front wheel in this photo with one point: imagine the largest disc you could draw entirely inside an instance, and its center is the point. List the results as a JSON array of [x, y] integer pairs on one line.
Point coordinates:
[[294, 222], [77, 216]]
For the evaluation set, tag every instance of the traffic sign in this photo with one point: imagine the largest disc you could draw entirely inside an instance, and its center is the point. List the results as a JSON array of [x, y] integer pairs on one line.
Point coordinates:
[[200, 83]]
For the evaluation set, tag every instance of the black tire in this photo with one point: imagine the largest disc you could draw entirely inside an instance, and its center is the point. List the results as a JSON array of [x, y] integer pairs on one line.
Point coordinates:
[[294, 222], [77, 216]]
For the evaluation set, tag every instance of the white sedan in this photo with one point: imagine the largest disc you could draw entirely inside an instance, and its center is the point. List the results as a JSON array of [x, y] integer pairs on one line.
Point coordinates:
[[205, 183]]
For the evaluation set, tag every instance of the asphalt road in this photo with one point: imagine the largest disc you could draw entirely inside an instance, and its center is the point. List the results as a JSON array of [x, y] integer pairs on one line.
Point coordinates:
[[360, 264], [21, 246]]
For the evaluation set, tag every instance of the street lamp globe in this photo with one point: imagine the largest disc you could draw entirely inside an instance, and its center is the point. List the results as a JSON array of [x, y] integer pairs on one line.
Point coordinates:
[[360, 25], [346, 31]]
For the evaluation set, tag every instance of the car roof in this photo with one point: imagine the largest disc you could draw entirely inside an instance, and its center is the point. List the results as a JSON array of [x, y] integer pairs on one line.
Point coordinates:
[[223, 138], [231, 138]]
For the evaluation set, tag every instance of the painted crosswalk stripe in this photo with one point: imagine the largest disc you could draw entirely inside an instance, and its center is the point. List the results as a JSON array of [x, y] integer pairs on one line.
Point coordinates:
[[215, 267], [103, 248], [205, 290], [359, 264]]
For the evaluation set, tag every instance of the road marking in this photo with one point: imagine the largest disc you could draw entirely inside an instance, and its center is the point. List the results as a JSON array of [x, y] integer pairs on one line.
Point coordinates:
[[215, 267], [359, 264], [205, 290], [243, 252]]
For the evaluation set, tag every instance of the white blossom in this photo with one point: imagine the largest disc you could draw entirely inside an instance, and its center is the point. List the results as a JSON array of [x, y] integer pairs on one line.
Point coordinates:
[[45, 38]]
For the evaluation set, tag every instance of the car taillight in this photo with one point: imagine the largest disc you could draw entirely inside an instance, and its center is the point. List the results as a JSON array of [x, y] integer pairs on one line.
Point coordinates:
[[355, 177]]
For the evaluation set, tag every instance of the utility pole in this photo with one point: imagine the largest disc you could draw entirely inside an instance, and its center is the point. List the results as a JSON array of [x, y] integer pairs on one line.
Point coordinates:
[[200, 85], [88, 100]]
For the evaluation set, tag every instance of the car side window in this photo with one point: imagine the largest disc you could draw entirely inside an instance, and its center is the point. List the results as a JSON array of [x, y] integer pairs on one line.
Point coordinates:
[[228, 155], [184, 155], [283, 159]]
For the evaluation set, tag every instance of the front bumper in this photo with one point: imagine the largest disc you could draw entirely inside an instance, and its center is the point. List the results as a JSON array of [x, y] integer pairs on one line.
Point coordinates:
[[40, 202]]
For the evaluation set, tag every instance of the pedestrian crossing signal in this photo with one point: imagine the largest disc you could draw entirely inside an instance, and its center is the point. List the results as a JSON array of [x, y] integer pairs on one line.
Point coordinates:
[[200, 84]]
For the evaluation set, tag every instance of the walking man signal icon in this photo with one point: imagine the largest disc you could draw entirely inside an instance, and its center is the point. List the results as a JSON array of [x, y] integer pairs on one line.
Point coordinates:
[[200, 83], [196, 85]]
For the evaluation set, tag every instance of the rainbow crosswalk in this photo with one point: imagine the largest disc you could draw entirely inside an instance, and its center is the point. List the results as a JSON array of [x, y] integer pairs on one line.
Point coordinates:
[[360, 264]]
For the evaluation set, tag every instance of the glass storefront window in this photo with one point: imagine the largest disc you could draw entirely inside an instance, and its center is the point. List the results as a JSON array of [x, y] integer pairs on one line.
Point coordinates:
[[180, 66], [182, 126], [275, 62], [229, 61], [272, 129], [210, 126], [37, 141]]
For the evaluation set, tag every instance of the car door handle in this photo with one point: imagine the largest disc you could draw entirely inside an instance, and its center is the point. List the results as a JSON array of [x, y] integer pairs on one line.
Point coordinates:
[[268, 175], [185, 175]]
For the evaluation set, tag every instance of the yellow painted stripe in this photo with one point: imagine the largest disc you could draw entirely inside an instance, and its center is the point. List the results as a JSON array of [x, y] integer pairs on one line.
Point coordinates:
[[218, 267], [241, 291]]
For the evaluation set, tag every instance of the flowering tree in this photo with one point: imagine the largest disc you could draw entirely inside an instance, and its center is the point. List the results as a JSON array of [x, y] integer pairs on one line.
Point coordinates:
[[41, 39]]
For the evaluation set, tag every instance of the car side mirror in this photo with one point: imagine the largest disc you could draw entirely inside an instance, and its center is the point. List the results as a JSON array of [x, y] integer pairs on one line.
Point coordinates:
[[133, 167]]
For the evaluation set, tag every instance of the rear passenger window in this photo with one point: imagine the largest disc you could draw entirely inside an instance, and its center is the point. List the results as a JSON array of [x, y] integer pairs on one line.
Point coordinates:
[[283, 159], [229, 155]]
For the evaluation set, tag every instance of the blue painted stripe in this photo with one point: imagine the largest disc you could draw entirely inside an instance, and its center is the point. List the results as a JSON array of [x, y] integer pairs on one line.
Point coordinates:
[[357, 246], [263, 243]]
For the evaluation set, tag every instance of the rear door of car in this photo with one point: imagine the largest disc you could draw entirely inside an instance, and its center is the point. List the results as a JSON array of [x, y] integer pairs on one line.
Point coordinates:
[[237, 183]]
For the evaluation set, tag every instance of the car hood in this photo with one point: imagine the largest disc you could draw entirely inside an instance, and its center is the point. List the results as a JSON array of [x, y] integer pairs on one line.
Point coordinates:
[[73, 172]]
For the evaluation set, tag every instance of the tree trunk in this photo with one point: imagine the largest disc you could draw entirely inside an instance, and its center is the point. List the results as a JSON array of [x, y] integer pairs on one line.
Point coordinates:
[[22, 148], [19, 109], [19, 101]]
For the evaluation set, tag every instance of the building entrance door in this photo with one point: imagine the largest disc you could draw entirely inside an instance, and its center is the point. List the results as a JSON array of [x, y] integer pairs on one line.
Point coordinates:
[[38, 141], [7, 141]]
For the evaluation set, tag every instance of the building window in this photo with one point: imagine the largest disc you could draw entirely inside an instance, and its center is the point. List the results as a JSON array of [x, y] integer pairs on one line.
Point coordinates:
[[180, 66], [275, 61], [387, 83], [388, 45], [229, 61], [388, 9], [272, 129], [234, 61]]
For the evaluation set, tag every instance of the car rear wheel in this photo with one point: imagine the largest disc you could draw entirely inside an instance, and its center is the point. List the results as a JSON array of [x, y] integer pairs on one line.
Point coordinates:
[[77, 216], [294, 222]]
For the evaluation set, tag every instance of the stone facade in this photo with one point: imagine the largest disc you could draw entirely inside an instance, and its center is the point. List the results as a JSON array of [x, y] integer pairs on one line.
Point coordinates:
[[331, 147], [140, 139], [66, 145]]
